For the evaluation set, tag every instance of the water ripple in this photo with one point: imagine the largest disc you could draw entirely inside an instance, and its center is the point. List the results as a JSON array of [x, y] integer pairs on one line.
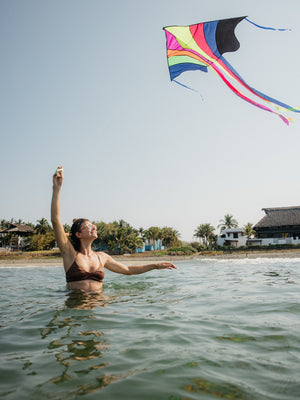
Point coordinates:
[[224, 329]]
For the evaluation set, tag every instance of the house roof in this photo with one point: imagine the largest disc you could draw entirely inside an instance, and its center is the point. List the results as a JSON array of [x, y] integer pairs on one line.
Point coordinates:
[[18, 229], [280, 216], [233, 230]]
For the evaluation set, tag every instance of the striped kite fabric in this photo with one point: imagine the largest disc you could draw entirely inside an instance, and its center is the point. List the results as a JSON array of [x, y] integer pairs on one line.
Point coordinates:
[[201, 46]]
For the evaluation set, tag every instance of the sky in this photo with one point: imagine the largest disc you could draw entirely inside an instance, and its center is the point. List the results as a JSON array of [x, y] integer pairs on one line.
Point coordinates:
[[85, 85]]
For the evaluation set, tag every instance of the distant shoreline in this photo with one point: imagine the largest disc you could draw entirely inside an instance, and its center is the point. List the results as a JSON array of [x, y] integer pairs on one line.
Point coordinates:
[[140, 259]]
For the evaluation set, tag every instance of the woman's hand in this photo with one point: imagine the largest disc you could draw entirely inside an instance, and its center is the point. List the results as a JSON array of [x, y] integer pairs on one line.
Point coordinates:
[[58, 178], [165, 265]]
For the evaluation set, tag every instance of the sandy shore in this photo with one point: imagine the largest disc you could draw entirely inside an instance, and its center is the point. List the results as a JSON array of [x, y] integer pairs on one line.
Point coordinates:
[[136, 260]]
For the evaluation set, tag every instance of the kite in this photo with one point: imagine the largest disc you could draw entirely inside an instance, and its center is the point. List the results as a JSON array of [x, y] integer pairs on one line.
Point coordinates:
[[201, 46]]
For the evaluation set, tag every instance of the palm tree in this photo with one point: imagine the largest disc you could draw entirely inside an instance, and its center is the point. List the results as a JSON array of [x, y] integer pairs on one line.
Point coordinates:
[[120, 236], [42, 226], [205, 232], [67, 228], [228, 222], [153, 233], [4, 224], [133, 242], [141, 232], [169, 236], [30, 224], [248, 230]]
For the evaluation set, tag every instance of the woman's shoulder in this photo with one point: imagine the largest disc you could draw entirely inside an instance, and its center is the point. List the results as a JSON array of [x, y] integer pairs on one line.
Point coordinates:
[[103, 256], [101, 253]]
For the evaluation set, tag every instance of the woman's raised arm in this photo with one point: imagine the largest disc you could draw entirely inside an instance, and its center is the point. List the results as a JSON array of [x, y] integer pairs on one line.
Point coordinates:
[[63, 242]]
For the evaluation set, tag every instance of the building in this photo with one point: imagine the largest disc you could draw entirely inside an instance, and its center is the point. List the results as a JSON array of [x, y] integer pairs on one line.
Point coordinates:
[[280, 225], [14, 237], [232, 237], [151, 245]]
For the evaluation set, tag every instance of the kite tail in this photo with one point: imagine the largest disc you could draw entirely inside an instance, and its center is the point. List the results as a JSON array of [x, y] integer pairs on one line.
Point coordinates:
[[187, 87], [240, 94], [266, 27], [296, 109], [279, 105]]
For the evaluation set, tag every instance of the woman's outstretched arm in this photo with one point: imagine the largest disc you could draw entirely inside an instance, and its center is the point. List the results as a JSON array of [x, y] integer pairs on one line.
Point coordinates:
[[62, 241], [120, 268]]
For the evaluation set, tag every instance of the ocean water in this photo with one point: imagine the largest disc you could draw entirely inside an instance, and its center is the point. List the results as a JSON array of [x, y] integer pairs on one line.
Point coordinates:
[[212, 329]]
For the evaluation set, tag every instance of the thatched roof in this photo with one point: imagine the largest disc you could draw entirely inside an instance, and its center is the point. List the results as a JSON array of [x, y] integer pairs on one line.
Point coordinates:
[[280, 216], [17, 228]]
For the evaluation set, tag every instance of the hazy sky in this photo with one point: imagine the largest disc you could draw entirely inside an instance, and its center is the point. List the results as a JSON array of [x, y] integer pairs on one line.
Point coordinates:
[[85, 84]]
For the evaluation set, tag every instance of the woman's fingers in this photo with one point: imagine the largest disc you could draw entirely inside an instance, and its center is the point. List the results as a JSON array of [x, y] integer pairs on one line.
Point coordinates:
[[166, 265]]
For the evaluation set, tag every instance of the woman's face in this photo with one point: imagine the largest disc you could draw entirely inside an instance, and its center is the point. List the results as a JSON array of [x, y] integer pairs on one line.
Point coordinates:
[[88, 230]]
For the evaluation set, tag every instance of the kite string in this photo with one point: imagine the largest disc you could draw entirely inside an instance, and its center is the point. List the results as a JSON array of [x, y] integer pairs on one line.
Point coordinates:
[[265, 27]]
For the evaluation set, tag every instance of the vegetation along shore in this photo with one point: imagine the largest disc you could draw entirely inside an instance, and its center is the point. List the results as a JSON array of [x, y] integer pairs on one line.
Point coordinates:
[[52, 257], [27, 243]]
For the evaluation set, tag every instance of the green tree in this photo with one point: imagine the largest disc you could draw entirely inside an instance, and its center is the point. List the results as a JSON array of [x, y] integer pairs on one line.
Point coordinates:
[[4, 224], [30, 224], [228, 222], [248, 230], [42, 226], [153, 233], [141, 232], [169, 236], [67, 228], [118, 237], [40, 242], [102, 232], [205, 232], [134, 242]]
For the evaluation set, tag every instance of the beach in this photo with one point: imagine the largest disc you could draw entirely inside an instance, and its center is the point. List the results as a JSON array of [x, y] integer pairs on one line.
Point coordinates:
[[136, 259]]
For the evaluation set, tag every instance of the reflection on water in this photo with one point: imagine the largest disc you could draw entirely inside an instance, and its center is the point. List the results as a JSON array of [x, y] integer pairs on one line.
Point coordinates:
[[78, 351], [81, 300], [219, 390]]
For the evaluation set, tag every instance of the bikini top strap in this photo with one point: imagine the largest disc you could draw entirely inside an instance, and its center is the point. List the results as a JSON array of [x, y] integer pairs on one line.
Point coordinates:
[[101, 265]]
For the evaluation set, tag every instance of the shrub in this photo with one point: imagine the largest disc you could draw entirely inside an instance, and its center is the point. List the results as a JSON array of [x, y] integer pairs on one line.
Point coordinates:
[[40, 242], [183, 250], [197, 246]]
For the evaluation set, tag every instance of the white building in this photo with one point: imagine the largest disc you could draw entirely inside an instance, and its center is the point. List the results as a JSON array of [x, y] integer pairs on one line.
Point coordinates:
[[232, 237], [280, 225]]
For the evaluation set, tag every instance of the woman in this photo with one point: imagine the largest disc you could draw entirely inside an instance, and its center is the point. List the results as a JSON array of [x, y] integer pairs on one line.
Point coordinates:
[[85, 268]]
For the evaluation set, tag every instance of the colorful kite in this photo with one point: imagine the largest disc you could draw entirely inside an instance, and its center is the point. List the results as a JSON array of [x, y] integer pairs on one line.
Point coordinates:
[[199, 46]]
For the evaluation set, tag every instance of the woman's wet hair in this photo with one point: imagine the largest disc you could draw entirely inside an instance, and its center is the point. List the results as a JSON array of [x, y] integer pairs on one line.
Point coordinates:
[[77, 224]]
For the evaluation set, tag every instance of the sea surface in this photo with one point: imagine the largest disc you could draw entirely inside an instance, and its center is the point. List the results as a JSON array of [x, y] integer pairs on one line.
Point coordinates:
[[212, 329]]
